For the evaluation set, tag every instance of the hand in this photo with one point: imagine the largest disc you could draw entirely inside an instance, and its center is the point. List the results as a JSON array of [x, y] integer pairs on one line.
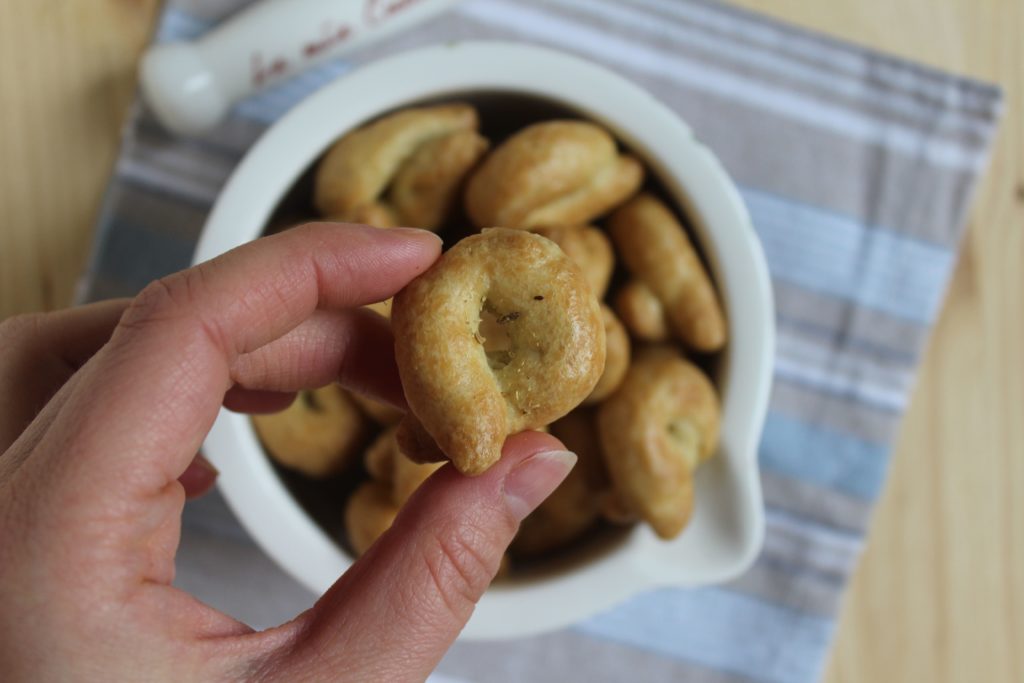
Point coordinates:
[[102, 412]]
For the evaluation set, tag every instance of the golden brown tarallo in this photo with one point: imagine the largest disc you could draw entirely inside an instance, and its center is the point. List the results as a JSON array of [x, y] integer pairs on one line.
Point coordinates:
[[381, 308], [589, 248], [509, 329], [655, 430], [404, 169], [641, 312], [500, 335], [386, 464], [655, 248], [368, 514], [616, 363], [551, 173], [393, 478], [317, 435], [577, 503]]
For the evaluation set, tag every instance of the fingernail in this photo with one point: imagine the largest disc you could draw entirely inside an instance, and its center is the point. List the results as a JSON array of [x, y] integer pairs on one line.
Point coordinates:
[[417, 233], [534, 479]]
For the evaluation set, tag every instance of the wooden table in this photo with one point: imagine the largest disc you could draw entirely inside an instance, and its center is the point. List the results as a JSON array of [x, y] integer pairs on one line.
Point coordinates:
[[939, 595]]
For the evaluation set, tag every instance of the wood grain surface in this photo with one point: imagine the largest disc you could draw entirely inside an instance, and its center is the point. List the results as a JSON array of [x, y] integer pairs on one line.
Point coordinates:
[[939, 595]]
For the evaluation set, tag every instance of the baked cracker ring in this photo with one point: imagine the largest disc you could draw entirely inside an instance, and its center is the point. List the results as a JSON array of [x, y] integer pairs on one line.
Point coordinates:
[[576, 504], [616, 362], [551, 173], [656, 249], [641, 312], [589, 248], [661, 423], [405, 148], [317, 435], [426, 187], [382, 308], [372, 213], [386, 464], [545, 353], [368, 514]]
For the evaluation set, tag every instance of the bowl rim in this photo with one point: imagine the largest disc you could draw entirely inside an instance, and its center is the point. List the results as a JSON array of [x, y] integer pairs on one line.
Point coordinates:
[[690, 173]]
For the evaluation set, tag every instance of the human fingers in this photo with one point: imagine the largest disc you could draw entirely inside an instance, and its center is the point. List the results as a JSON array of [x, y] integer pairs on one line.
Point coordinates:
[[395, 612], [41, 351], [168, 365], [199, 477], [354, 347], [138, 411]]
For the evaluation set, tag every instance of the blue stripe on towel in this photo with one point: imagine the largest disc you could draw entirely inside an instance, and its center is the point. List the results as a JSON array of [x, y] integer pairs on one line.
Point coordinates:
[[720, 628], [837, 255], [822, 456]]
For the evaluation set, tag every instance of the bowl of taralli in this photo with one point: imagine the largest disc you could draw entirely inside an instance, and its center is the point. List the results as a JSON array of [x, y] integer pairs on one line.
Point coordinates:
[[601, 281]]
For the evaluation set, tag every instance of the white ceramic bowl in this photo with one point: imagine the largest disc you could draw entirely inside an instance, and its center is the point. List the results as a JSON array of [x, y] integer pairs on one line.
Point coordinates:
[[727, 527]]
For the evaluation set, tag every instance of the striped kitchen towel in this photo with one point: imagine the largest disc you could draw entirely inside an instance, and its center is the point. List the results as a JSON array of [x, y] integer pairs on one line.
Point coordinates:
[[858, 170]]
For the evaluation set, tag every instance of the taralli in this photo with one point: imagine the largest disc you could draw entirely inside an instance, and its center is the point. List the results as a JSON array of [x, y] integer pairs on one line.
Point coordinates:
[[318, 434], [381, 307], [589, 248], [655, 248], [403, 169], [378, 411], [551, 173], [407, 476], [395, 478], [577, 503], [661, 423], [641, 312], [616, 361], [379, 458], [616, 511], [386, 464], [529, 325], [368, 514], [426, 187], [416, 442], [375, 213], [546, 352]]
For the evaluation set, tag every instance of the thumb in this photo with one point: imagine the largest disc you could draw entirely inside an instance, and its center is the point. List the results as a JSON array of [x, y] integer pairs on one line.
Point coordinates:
[[395, 613]]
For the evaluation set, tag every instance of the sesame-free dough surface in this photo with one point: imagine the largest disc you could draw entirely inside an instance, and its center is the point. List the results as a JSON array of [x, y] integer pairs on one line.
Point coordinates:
[[545, 354]]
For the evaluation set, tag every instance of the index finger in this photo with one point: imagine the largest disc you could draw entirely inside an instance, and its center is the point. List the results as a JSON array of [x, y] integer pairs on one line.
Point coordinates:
[[148, 398]]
